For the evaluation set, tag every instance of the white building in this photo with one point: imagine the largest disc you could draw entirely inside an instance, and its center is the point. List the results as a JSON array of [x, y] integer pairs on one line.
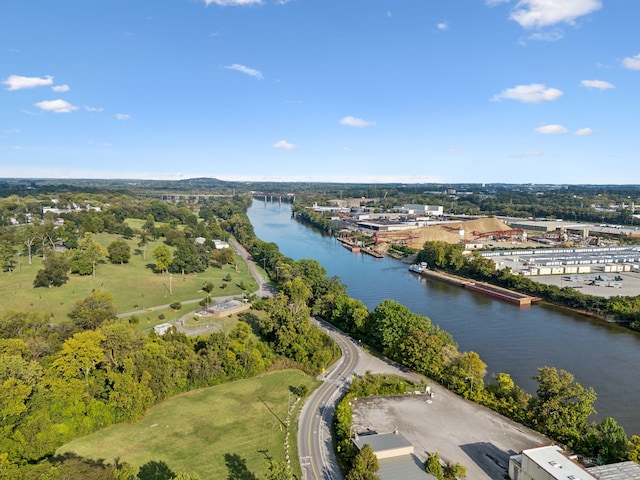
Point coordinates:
[[546, 463], [219, 244], [427, 210], [162, 328]]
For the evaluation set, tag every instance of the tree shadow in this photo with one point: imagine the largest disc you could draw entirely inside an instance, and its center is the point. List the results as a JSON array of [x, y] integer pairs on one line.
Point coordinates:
[[265, 452], [237, 467]]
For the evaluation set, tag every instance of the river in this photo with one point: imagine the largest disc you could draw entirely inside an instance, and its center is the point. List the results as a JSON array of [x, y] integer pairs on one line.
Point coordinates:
[[512, 339]]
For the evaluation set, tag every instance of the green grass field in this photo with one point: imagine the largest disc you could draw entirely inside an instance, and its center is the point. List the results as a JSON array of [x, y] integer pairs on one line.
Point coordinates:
[[134, 285], [218, 432]]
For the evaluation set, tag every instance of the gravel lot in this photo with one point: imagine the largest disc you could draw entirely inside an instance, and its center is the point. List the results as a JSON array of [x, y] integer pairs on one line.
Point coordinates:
[[459, 430]]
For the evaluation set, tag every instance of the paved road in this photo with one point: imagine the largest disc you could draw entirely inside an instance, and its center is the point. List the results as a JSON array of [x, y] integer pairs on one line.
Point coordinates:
[[315, 445]]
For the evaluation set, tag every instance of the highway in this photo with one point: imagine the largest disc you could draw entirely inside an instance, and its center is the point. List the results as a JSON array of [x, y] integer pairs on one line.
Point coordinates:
[[315, 445]]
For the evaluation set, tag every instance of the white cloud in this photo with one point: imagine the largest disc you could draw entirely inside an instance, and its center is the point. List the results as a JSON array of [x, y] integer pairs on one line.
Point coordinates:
[[551, 129], [453, 150], [632, 63], [534, 93], [249, 71], [493, 3], [443, 26], [543, 13], [533, 153], [93, 109], [122, 116], [232, 3], [348, 149], [56, 106], [16, 82], [350, 121], [551, 36], [599, 84], [60, 88], [283, 144], [584, 132]]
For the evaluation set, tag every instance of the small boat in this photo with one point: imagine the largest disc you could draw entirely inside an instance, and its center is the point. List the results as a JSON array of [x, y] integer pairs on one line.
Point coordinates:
[[418, 267]]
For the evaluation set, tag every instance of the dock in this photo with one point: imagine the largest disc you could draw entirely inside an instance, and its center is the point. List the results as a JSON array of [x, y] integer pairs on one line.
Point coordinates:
[[370, 251]]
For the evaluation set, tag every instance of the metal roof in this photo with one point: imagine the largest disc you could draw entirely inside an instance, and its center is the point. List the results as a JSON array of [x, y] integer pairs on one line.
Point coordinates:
[[617, 471], [382, 441], [405, 467]]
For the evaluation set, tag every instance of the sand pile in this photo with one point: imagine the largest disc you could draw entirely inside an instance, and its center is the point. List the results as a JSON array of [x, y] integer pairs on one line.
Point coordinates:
[[448, 232]]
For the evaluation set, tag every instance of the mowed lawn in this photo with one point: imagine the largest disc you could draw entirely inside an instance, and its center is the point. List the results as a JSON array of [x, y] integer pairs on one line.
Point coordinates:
[[218, 432], [134, 285]]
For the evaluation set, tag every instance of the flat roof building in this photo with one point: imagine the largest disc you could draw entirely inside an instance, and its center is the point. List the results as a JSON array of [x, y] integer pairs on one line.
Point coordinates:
[[616, 471], [395, 456], [546, 463]]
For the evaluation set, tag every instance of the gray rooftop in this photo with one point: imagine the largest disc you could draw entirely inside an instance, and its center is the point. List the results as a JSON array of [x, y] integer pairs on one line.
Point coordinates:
[[405, 467], [382, 441], [616, 471]]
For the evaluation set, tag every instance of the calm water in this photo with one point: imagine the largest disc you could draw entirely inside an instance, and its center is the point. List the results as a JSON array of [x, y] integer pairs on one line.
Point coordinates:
[[508, 338]]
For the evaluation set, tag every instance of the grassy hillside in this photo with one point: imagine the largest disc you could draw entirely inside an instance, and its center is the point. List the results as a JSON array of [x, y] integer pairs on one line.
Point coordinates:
[[134, 286], [225, 431]]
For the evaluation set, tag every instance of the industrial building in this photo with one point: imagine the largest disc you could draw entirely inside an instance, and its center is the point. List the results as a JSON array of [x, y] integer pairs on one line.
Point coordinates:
[[552, 463], [395, 456], [426, 210]]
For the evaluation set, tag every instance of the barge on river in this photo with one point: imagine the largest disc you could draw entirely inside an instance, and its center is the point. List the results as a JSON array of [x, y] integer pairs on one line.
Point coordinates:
[[480, 287]]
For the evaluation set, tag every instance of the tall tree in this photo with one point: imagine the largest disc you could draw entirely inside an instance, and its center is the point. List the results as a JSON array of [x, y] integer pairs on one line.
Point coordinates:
[[562, 405], [365, 464], [163, 257], [83, 260], [188, 258], [93, 311], [606, 441], [28, 235], [433, 466], [144, 240], [54, 273], [7, 257], [119, 251], [80, 355]]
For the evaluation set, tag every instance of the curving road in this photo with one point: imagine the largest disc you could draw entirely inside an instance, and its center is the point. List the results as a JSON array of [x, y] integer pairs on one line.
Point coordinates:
[[315, 445]]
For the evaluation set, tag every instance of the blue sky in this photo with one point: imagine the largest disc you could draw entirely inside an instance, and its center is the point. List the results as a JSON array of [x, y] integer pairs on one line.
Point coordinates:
[[529, 91]]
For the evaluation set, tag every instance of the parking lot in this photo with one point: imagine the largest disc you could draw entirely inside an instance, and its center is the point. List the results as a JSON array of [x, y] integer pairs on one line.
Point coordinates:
[[458, 430], [608, 287]]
